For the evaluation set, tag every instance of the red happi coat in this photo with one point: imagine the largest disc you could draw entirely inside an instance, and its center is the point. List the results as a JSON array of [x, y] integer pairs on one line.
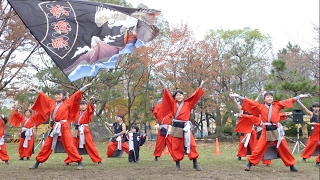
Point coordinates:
[[67, 111], [18, 119], [169, 105]]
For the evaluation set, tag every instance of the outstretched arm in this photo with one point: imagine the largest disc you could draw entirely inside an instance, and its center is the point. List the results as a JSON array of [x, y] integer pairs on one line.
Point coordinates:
[[234, 100], [42, 103], [16, 118], [260, 94], [305, 108], [194, 98]]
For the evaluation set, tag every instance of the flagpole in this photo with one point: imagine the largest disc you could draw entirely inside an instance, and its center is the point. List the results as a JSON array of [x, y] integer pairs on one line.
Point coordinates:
[[107, 127]]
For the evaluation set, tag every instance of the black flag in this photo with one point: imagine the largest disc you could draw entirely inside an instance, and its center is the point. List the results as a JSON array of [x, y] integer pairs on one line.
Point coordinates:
[[81, 37]]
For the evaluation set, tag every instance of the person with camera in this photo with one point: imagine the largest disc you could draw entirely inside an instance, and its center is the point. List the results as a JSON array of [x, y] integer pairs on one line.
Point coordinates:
[[269, 112]]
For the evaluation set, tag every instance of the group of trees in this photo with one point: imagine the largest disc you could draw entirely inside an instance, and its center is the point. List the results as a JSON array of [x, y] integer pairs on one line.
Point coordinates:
[[230, 59]]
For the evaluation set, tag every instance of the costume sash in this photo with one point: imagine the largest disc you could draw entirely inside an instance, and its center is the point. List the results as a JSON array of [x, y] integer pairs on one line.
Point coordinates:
[[55, 133], [1, 141], [81, 135], [28, 134]]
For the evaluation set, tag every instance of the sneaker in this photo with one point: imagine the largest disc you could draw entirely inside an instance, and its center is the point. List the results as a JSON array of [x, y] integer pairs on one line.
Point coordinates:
[[317, 164], [155, 158], [99, 163], [28, 159], [304, 160], [21, 159], [239, 158], [6, 162]]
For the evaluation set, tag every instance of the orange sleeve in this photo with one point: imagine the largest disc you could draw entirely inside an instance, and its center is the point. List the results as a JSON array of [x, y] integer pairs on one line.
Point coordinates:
[[283, 116], [74, 104], [245, 124], [194, 98], [39, 119], [167, 104], [90, 110], [42, 104], [16, 118], [156, 110], [252, 107], [286, 103]]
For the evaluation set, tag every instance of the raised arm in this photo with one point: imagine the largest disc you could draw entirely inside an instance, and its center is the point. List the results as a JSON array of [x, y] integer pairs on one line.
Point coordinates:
[[167, 101], [42, 103], [305, 108], [74, 102], [260, 94], [194, 98], [234, 100], [16, 118], [252, 107]]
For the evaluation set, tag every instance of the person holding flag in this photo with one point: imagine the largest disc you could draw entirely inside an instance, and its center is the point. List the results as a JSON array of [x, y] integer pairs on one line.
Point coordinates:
[[61, 110], [83, 138], [117, 144], [27, 121]]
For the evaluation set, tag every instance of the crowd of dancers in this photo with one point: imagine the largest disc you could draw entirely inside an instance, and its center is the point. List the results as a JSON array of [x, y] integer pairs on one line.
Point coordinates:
[[259, 127]]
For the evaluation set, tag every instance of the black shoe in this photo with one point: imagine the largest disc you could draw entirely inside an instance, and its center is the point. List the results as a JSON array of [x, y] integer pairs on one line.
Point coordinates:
[[304, 160], [239, 158], [21, 159], [155, 158], [317, 164], [293, 169], [35, 166], [6, 162], [99, 163], [80, 166], [196, 166], [177, 166], [28, 159], [248, 167]]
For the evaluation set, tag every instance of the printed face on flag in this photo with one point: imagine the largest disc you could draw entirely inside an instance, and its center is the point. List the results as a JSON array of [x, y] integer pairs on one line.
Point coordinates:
[[82, 37]]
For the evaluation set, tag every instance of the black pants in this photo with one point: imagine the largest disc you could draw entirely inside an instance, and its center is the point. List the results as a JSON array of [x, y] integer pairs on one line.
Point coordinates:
[[134, 155]]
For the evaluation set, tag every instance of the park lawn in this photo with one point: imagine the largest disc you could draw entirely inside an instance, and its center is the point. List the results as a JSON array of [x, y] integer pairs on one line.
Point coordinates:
[[223, 166]]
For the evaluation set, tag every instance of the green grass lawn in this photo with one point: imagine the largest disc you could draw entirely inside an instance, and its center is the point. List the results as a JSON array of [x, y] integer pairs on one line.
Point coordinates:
[[224, 166]]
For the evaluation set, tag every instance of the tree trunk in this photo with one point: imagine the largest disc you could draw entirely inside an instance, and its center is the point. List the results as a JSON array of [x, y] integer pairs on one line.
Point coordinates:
[[208, 124], [201, 125], [217, 117]]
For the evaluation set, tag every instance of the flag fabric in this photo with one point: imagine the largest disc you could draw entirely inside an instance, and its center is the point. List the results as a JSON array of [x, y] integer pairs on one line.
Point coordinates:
[[82, 37]]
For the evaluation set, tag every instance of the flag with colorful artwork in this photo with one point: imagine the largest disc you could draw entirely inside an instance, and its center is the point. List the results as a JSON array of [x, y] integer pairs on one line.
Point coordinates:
[[82, 37]]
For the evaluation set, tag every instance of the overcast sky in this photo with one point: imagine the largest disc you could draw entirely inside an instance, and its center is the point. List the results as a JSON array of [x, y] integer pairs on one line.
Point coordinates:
[[283, 20]]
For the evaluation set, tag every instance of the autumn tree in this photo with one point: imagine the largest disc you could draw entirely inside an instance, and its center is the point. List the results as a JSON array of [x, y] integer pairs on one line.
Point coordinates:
[[242, 66], [16, 47]]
